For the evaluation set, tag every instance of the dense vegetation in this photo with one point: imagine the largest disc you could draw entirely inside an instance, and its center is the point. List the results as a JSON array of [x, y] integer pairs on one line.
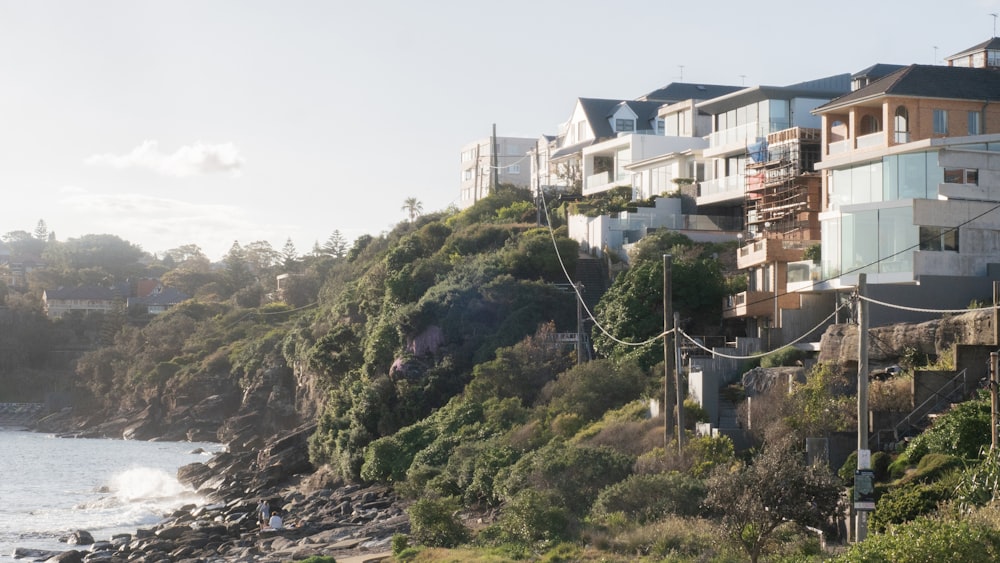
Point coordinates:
[[434, 347]]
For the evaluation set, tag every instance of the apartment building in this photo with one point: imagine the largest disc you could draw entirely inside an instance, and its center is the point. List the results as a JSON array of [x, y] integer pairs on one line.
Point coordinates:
[[508, 158]]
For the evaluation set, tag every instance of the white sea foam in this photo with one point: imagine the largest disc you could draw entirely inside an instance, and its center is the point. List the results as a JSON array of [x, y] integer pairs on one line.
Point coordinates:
[[52, 487]]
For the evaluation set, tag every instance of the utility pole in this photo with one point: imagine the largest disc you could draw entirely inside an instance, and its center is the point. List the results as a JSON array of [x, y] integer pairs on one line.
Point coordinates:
[[579, 323], [678, 392], [668, 352], [994, 400], [864, 454], [494, 162]]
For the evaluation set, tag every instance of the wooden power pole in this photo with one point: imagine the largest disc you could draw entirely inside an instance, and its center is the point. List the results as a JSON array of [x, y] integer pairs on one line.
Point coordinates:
[[668, 353]]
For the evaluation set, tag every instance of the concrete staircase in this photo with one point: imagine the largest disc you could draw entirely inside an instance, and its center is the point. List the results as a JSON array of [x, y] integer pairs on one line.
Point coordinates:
[[590, 272]]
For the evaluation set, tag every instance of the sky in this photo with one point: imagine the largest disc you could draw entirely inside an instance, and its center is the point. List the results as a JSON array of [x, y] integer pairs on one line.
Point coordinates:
[[210, 122]]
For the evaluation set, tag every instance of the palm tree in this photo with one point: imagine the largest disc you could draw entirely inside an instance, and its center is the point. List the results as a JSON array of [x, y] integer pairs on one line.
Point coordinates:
[[413, 208]]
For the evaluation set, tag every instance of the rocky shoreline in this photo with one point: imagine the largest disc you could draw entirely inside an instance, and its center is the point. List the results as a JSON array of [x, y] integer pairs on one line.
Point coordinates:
[[323, 516]]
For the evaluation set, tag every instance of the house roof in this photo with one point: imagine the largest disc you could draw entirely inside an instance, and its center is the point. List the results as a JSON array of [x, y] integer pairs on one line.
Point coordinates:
[[166, 296], [823, 88], [876, 71], [680, 91], [570, 149], [95, 292], [992, 43], [926, 81], [598, 111]]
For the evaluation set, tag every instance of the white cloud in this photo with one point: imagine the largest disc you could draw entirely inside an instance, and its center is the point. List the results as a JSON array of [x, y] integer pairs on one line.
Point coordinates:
[[192, 160], [159, 224]]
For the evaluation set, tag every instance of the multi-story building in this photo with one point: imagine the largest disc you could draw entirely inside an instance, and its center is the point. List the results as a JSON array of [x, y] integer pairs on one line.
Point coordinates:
[[759, 174], [484, 165], [911, 181]]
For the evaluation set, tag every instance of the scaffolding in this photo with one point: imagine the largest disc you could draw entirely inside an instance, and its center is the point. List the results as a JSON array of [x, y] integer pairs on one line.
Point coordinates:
[[783, 191]]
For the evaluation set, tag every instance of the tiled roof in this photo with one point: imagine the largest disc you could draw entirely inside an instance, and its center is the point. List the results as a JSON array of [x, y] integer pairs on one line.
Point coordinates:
[[993, 43], [599, 111], [927, 81], [680, 91], [83, 292]]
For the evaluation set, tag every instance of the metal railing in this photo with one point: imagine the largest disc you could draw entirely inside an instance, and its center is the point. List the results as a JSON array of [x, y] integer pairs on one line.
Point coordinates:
[[952, 390]]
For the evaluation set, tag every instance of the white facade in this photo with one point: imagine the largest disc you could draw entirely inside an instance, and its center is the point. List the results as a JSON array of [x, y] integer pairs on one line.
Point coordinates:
[[513, 166], [606, 165]]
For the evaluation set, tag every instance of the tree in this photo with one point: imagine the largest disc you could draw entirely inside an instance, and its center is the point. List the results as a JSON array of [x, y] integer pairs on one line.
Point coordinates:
[[41, 230], [777, 487], [238, 273], [336, 245], [289, 255], [261, 256], [413, 208]]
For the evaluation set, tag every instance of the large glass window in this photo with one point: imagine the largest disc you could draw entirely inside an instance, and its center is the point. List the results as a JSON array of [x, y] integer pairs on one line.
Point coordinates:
[[940, 122], [876, 240], [897, 238], [779, 116], [860, 244], [912, 178], [830, 248]]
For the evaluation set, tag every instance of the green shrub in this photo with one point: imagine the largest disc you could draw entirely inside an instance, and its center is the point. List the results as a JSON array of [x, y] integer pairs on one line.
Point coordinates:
[[575, 473], [904, 503], [928, 539], [980, 483], [433, 524], [399, 543], [963, 432], [532, 516], [645, 498]]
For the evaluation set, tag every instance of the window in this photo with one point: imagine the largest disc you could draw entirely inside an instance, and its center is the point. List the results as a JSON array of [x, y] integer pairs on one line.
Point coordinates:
[[466, 155], [624, 125], [940, 122], [975, 123], [659, 126], [961, 176], [901, 123], [939, 238], [514, 169], [870, 124], [467, 174]]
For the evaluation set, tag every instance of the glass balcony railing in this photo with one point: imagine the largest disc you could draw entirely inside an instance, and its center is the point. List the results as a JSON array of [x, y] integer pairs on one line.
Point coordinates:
[[739, 135], [720, 186]]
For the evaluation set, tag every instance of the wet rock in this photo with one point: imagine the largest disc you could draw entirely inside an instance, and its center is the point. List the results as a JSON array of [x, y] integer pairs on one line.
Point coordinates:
[[80, 537]]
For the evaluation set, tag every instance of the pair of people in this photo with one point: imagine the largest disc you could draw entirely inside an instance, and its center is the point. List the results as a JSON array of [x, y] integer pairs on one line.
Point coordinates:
[[269, 520]]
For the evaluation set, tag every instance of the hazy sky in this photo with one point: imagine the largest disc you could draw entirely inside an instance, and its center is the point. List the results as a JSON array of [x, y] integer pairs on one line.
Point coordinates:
[[212, 121]]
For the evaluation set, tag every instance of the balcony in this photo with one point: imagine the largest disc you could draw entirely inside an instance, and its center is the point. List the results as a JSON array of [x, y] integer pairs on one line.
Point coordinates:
[[872, 140], [733, 138], [602, 182], [721, 189], [839, 147], [749, 304], [768, 250]]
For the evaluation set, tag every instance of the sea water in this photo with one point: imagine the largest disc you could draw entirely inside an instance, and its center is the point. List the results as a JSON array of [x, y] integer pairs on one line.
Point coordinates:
[[50, 487]]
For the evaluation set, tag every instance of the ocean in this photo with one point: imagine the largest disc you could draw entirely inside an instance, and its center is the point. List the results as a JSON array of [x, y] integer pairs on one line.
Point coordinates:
[[50, 487]]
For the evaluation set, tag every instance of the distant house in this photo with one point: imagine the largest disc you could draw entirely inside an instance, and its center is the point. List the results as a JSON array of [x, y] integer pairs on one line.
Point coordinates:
[[158, 300], [86, 299], [147, 294]]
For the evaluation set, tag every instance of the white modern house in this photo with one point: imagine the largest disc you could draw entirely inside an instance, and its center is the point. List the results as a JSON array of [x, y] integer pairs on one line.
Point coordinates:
[[746, 117]]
